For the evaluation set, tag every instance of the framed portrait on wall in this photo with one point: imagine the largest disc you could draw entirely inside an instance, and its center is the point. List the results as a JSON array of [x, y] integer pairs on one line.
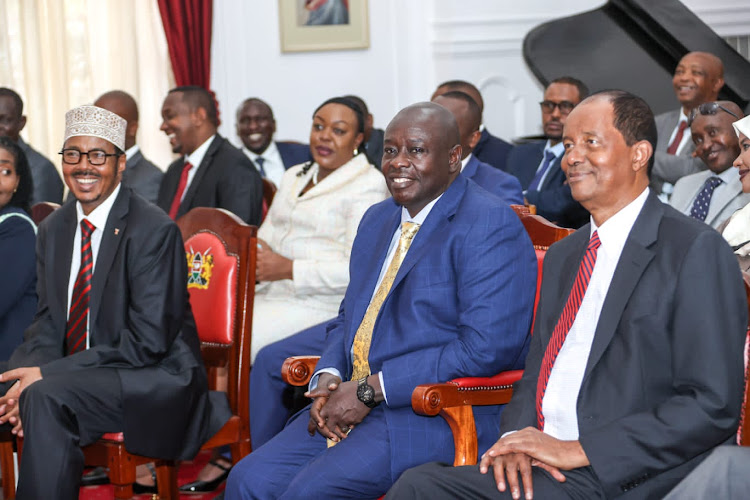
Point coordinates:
[[311, 25]]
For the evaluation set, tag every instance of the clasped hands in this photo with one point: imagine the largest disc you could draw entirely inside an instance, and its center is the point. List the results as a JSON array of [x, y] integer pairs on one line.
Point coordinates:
[[24, 377], [270, 266], [335, 410], [516, 453]]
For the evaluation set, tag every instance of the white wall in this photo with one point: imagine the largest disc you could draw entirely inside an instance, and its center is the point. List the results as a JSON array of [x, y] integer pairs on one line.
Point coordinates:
[[414, 45]]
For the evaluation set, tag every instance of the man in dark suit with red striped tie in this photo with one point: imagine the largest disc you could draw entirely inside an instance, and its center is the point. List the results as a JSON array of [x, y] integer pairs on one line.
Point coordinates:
[[113, 346], [635, 368]]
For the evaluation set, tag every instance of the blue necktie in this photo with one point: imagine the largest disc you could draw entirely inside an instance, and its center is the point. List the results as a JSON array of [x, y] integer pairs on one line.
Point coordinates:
[[548, 157], [703, 200], [260, 161]]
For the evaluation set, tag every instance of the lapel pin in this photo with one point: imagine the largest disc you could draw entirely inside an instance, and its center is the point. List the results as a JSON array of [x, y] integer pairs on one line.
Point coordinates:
[[117, 231]]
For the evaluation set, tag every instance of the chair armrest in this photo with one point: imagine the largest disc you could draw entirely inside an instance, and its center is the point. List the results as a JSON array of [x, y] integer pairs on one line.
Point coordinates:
[[297, 370], [454, 400]]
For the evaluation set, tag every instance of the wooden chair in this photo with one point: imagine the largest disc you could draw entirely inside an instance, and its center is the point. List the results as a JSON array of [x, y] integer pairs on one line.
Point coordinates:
[[269, 191], [221, 252], [452, 400], [41, 210]]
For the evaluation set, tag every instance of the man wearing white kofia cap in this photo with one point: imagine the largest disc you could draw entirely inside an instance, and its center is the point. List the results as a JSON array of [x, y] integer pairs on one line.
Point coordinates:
[[113, 345]]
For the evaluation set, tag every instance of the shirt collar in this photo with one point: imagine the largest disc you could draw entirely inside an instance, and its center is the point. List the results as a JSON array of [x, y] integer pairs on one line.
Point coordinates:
[[683, 116], [557, 149], [132, 152], [271, 150], [422, 215], [196, 157], [727, 175], [616, 229], [98, 217]]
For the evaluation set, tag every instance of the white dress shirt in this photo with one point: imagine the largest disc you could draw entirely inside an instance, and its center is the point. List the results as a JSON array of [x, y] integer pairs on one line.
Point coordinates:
[[272, 162], [561, 397], [196, 158], [97, 217], [405, 217]]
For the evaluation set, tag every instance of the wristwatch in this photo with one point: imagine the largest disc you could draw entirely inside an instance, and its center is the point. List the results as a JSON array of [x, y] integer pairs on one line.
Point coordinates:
[[366, 393]]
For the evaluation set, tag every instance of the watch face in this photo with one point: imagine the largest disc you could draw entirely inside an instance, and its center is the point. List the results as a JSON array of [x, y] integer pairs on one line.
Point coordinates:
[[366, 393]]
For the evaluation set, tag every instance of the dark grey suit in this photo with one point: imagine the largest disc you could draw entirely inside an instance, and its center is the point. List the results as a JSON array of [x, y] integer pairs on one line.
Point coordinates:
[[671, 168], [143, 373], [48, 186], [663, 381], [142, 176], [226, 178]]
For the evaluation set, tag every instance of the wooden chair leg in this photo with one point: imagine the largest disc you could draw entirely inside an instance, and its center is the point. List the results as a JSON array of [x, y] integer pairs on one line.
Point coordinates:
[[7, 469], [121, 473], [166, 479]]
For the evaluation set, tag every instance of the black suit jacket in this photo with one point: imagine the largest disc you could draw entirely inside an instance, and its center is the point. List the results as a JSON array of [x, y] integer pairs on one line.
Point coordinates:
[[142, 176], [553, 201], [226, 178], [140, 323], [492, 150], [663, 381]]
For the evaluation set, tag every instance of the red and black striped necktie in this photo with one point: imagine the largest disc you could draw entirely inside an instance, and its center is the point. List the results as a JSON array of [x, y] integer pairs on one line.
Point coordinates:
[[565, 322], [78, 316]]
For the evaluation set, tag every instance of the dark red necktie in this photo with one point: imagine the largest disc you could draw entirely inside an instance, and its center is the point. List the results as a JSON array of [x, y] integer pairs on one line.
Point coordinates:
[[180, 189], [672, 149], [77, 328], [565, 322]]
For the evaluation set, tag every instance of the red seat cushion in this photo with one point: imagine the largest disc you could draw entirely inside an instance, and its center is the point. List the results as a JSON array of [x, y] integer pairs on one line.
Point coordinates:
[[114, 436], [212, 284]]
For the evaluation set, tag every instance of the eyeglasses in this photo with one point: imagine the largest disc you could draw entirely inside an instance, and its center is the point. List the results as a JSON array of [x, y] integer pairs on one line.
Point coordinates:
[[96, 156], [565, 106], [707, 108]]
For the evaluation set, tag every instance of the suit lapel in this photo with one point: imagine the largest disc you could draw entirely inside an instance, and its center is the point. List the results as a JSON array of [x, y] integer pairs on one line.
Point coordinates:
[[199, 175], [114, 232], [723, 198], [634, 259], [62, 243]]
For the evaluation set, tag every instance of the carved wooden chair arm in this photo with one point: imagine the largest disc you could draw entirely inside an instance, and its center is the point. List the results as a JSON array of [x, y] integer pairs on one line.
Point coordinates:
[[454, 400], [297, 370]]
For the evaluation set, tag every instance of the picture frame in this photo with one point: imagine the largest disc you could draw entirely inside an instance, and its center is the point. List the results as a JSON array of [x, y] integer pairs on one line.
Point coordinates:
[[301, 30]]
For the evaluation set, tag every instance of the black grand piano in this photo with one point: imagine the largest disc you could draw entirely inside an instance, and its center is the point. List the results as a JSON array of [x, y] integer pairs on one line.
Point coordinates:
[[632, 45]]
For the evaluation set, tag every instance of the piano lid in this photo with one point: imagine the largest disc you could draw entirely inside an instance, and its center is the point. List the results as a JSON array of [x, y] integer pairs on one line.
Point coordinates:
[[632, 45]]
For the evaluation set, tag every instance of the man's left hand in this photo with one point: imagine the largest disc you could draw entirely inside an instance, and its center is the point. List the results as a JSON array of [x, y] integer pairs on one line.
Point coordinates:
[[9, 402], [564, 455], [344, 410]]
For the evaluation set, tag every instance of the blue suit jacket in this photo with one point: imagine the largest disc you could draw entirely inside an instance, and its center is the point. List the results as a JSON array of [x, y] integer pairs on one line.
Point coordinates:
[[460, 305], [293, 153], [492, 150], [504, 186], [553, 201]]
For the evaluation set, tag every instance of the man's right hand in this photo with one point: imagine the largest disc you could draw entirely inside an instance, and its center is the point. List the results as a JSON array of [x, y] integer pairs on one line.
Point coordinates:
[[327, 383]]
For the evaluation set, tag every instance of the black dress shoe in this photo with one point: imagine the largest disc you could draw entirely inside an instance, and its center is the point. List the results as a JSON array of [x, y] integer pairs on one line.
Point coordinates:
[[140, 489], [204, 486], [95, 477]]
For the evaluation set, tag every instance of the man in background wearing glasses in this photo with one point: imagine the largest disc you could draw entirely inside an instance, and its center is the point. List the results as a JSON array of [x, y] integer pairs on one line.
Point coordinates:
[[113, 346], [537, 164], [712, 195], [698, 78]]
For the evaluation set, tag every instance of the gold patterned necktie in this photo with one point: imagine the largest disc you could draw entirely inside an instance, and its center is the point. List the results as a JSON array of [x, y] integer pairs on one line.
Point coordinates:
[[363, 337]]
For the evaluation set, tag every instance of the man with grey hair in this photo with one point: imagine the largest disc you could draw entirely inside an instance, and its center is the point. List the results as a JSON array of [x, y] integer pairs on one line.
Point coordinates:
[[111, 348]]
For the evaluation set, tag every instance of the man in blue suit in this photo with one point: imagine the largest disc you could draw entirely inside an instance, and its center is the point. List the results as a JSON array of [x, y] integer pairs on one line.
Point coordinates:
[[455, 302], [255, 128], [469, 118], [490, 149], [537, 164]]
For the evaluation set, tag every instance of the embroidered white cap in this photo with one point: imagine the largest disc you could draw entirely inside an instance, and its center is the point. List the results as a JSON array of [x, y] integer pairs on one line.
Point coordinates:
[[743, 126], [96, 122]]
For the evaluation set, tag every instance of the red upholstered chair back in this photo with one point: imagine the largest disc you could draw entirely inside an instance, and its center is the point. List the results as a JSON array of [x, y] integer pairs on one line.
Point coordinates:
[[220, 256], [41, 210]]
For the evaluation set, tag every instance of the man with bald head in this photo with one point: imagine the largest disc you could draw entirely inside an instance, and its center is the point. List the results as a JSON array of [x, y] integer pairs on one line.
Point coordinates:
[[698, 78], [442, 285], [140, 175], [489, 149], [714, 194], [635, 369], [469, 118], [255, 128]]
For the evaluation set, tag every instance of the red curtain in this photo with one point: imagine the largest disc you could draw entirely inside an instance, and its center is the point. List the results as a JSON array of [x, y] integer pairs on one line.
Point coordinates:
[[187, 25]]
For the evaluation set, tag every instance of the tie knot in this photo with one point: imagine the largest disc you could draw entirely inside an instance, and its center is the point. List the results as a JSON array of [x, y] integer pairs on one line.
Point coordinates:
[[260, 160], [682, 126], [87, 228], [713, 181], [187, 166], [549, 155], [594, 242], [408, 230]]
